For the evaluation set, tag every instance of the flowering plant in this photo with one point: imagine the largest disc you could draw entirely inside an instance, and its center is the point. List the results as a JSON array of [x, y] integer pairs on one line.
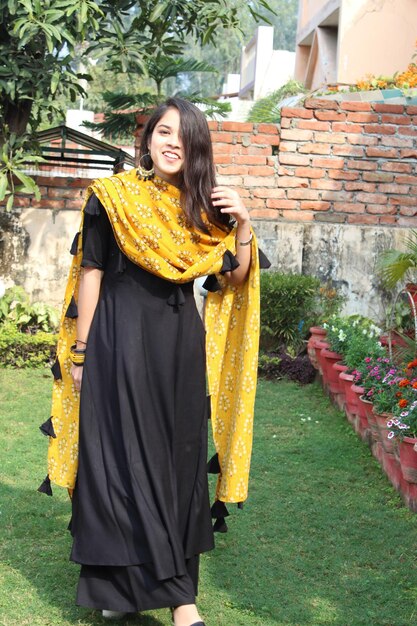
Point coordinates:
[[355, 337], [386, 386]]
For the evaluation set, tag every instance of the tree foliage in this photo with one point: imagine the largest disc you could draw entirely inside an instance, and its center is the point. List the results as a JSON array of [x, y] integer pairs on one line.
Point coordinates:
[[40, 39]]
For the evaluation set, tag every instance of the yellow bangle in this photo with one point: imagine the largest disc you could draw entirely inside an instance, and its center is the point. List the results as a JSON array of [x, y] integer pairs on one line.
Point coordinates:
[[77, 356]]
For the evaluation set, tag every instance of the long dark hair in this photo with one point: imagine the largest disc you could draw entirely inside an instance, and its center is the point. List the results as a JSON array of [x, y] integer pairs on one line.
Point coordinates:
[[197, 178]]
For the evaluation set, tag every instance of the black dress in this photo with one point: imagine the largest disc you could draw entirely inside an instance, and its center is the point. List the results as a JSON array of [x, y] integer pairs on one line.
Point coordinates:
[[141, 512]]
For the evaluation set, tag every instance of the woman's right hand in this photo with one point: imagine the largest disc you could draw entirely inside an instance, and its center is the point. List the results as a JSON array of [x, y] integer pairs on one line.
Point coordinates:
[[77, 375]]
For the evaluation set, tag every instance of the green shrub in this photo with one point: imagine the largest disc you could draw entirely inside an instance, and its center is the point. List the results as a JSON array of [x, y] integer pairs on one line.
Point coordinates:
[[22, 350], [15, 307], [287, 301]]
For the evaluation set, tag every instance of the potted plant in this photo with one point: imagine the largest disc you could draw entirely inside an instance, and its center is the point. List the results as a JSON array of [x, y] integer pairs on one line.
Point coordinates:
[[394, 265]]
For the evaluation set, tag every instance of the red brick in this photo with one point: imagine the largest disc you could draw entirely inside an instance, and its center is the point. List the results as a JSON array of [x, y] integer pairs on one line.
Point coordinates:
[[297, 216], [394, 188], [223, 138], [223, 148], [63, 181], [244, 193], [385, 153], [248, 159], [330, 218], [268, 129], [58, 192], [233, 170], [268, 192], [331, 185], [406, 200], [328, 162], [263, 214], [408, 131], [255, 181], [294, 112], [213, 125], [362, 140], [309, 172], [406, 180], [330, 138], [319, 103], [254, 203], [46, 203], [407, 222], [378, 177], [286, 122], [266, 140], [314, 148], [256, 150], [405, 168], [412, 109], [292, 181], [373, 198], [343, 175], [71, 204], [408, 210], [362, 165], [240, 127], [233, 181], [381, 209], [387, 219], [356, 151], [336, 196], [348, 207], [330, 116], [359, 186], [220, 159], [363, 219], [281, 204], [395, 119], [398, 142], [408, 154], [388, 108], [379, 129], [20, 201], [364, 118], [302, 194], [288, 146], [261, 170], [296, 135], [271, 160], [312, 125], [314, 206], [293, 159], [285, 171], [342, 127], [355, 106]]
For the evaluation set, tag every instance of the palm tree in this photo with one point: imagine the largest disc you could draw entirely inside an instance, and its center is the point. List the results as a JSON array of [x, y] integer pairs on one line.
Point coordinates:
[[122, 108], [393, 265]]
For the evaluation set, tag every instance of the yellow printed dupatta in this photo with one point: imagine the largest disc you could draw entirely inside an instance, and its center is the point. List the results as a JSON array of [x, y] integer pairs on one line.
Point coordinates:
[[152, 231]]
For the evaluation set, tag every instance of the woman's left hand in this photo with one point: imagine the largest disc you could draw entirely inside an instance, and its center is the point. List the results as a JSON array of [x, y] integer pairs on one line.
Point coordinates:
[[229, 201]]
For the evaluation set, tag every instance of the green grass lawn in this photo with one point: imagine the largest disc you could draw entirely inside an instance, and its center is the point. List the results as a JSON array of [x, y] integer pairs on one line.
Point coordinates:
[[322, 540]]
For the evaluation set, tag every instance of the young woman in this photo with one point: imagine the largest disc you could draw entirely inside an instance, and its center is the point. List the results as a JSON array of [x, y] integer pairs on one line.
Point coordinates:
[[132, 354]]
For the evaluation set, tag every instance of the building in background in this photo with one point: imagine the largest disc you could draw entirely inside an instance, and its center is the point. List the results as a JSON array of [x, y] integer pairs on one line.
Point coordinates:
[[342, 41], [262, 71]]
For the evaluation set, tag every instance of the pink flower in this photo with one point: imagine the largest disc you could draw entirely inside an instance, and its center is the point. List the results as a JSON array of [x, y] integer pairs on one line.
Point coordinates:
[[389, 423], [390, 434]]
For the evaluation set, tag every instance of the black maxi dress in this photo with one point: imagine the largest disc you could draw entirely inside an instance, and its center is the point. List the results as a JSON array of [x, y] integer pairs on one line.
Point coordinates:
[[141, 512]]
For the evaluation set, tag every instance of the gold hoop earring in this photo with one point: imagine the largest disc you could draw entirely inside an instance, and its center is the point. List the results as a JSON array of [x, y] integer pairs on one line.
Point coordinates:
[[143, 173]]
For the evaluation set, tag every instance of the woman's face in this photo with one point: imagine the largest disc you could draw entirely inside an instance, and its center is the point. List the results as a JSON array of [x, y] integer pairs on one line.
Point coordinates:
[[165, 147]]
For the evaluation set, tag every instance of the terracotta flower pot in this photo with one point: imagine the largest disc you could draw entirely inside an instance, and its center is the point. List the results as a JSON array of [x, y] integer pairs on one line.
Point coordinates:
[[330, 375], [340, 397], [319, 346], [408, 458], [363, 426], [381, 422], [317, 333], [368, 408], [351, 406]]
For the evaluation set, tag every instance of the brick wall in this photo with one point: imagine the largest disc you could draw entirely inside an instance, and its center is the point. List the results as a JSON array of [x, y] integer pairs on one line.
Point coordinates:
[[57, 193]]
